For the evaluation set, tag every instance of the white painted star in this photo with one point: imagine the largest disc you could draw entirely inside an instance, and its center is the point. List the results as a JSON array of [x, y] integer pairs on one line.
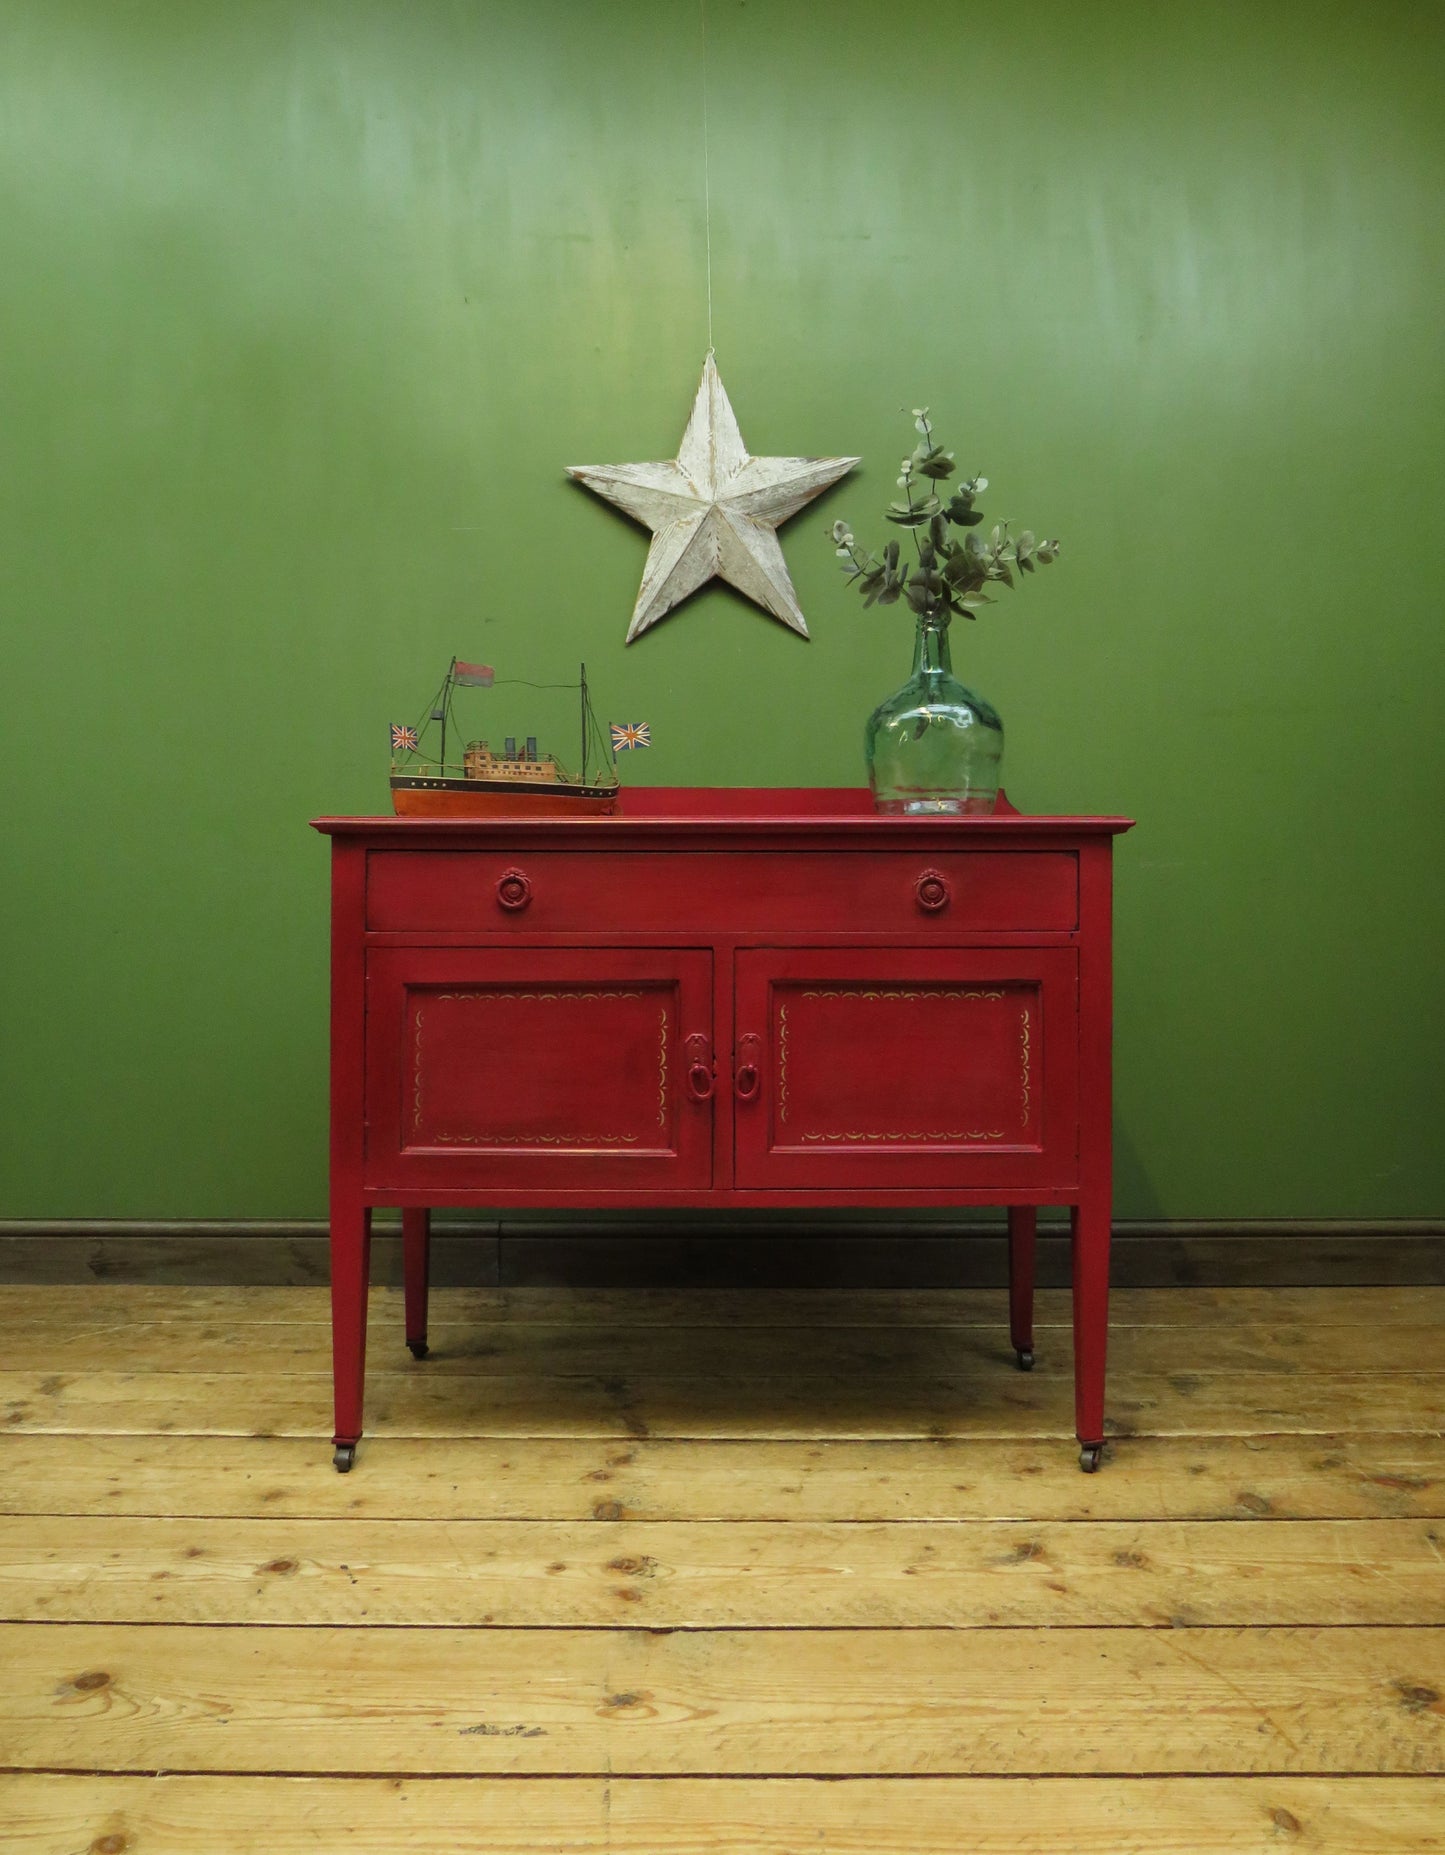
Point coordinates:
[[714, 511]]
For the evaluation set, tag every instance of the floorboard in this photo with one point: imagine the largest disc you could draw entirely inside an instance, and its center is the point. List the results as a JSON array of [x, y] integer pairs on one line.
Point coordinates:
[[983, 1398], [1338, 1476], [720, 1351], [875, 1702], [167, 1815], [750, 1574]]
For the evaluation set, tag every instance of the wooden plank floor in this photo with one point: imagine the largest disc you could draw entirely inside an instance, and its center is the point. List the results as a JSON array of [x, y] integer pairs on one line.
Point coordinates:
[[718, 1573]]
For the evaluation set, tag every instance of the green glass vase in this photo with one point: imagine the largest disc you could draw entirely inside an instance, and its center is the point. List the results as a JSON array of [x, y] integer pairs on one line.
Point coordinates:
[[934, 746]]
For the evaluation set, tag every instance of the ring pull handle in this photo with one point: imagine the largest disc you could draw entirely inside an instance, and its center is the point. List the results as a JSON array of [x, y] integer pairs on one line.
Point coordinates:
[[514, 890], [933, 891], [700, 1078], [746, 1077]]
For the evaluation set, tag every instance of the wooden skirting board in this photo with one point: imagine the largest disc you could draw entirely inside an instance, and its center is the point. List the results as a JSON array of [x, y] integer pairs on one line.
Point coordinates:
[[843, 1252]]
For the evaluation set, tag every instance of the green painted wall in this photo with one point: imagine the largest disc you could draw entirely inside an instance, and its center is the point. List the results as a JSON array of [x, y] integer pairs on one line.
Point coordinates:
[[304, 305]]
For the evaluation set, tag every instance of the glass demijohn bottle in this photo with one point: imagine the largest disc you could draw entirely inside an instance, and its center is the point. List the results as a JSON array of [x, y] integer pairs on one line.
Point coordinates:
[[934, 746]]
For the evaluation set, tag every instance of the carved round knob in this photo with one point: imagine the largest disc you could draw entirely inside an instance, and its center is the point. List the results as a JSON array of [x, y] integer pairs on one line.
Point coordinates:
[[514, 890], [932, 891]]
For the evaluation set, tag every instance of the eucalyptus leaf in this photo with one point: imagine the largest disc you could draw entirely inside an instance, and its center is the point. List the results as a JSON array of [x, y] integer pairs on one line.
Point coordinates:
[[961, 511], [960, 571]]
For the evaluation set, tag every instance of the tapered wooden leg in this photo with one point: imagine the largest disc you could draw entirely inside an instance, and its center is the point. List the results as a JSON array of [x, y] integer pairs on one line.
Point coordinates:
[[350, 1279], [1090, 1229], [1023, 1222], [416, 1273]]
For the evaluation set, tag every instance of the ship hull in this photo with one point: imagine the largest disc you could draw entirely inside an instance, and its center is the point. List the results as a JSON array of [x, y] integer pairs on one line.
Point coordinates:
[[420, 796]]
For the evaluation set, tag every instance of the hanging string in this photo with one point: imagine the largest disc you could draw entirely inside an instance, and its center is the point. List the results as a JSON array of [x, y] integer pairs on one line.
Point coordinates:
[[706, 174]]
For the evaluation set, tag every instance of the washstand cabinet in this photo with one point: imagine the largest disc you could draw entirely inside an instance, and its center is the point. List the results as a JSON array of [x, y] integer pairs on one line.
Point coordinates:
[[728, 998]]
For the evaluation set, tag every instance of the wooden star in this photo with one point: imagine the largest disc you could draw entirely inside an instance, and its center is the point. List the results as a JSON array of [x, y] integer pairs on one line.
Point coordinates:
[[714, 511]]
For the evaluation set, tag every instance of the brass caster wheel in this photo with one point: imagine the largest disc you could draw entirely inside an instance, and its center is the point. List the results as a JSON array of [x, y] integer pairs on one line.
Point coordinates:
[[417, 1348], [1025, 1358], [343, 1457], [1089, 1456]]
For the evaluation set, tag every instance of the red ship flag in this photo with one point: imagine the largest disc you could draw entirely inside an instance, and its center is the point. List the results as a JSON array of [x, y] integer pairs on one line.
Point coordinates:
[[473, 675]]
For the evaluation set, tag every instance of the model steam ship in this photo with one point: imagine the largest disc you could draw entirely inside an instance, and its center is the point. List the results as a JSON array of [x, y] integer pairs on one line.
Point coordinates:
[[517, 781]]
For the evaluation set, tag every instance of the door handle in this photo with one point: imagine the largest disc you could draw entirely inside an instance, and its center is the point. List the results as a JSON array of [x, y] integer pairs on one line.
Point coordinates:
[[747, 1077], [700, 1076]]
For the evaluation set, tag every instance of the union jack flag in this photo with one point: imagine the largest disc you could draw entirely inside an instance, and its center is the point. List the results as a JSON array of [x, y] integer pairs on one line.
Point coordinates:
[[403, 740], [630, 734]]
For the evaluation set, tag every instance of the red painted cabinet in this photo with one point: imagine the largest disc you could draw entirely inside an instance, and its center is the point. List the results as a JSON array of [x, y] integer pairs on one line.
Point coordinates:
[[765, 999]]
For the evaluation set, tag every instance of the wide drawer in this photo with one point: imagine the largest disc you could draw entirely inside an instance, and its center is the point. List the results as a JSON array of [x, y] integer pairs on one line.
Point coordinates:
[[668, 892]]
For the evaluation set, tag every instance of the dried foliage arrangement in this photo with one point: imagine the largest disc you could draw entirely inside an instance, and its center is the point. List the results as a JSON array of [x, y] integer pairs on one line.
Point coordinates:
[[951, 572]]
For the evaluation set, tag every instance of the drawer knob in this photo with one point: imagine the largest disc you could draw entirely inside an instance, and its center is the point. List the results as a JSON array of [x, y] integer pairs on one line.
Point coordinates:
[[933, 891], [514, 890]]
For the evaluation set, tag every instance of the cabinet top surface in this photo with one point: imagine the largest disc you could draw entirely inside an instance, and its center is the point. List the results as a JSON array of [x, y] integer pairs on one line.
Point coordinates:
[[741, 811]]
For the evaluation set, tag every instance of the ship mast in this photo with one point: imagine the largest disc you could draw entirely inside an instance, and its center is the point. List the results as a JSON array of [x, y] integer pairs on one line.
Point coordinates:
[[584, 723], [444, 706]]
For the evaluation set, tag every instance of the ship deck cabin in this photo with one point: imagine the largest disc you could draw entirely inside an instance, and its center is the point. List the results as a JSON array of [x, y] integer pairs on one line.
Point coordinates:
[[480, 762]]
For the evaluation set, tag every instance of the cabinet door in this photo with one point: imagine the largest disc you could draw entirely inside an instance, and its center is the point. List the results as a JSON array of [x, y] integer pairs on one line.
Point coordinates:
[[900, 1069], [526, 1069]]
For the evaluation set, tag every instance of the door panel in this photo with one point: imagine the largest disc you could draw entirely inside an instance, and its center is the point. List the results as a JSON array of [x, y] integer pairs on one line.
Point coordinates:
[[534, 1068], [906, 1068]]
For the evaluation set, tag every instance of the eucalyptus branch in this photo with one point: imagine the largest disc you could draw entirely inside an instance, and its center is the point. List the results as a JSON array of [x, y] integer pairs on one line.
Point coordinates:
[[951, 574]]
